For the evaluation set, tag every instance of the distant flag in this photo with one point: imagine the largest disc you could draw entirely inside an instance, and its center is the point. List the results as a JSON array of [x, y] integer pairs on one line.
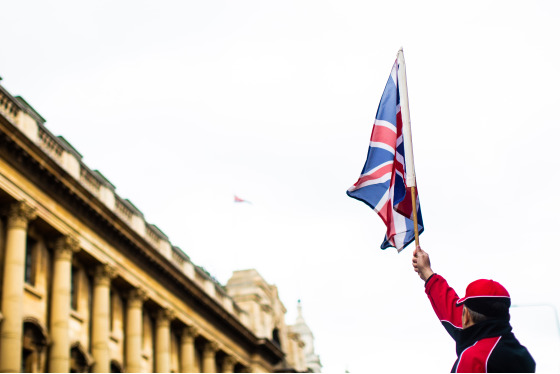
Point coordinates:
[[387, 180], [237, 199]]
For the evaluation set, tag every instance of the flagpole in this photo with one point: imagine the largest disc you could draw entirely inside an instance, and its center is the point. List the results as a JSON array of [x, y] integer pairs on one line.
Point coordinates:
[[407, 139]]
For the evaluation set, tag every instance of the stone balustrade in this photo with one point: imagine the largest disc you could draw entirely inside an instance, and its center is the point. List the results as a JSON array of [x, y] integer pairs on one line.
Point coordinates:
[[8, 106], [49, 144]]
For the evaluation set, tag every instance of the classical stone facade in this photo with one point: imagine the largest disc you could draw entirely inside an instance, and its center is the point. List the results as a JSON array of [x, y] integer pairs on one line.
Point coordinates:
[[261, 301], [312, 360], [86, 284]]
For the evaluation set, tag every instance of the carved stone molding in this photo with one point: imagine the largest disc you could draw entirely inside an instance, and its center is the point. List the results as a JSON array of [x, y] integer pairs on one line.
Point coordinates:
[[229, 364], [103, 274], [136, 297], [211, 348], [189, 334], [65, 247], [19, 214], [164, 317]]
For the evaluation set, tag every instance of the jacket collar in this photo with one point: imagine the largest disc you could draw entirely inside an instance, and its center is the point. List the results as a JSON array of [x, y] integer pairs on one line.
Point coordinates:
[[487, 329]]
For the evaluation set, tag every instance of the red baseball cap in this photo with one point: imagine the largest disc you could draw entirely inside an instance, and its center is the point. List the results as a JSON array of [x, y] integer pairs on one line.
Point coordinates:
[[483, 295], [484, 288]]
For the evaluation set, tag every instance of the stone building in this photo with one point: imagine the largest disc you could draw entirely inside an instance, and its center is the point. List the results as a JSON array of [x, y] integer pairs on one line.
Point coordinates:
[[86, 284], [254, 295], [312, 360]]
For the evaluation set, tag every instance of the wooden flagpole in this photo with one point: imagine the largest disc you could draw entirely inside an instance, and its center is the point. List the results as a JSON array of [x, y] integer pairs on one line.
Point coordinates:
[[407, 139], [415, 216]]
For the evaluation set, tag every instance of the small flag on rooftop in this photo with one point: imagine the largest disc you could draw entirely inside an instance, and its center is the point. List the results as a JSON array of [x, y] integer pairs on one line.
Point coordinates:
[[237, 199]]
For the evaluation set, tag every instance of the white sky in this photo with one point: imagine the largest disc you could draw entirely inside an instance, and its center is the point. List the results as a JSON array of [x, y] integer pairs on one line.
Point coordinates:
[[181, 105]]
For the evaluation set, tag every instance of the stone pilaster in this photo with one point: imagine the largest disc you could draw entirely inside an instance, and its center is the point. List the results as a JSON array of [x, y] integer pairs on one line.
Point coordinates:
[[188, 350], [209, 357], [136, 298], [59, 353], [11, 329], [100, 318], [163, 341]]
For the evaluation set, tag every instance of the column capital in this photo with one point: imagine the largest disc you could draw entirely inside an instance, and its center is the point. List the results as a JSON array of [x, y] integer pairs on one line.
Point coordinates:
[[103, 274], [189, 334], [19, 214], [229, 364], [164, 317], [137, 296], [211, 347], [65, 246]]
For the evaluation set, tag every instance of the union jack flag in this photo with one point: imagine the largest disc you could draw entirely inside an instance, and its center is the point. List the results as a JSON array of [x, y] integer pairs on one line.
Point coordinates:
[[237, 199], [382, 182]]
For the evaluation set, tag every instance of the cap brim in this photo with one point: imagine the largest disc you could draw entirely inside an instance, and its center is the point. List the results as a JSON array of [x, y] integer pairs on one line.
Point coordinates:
[[461, 301]]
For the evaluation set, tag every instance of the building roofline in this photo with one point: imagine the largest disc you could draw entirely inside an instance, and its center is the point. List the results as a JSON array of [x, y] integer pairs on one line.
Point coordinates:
[[30, 110]]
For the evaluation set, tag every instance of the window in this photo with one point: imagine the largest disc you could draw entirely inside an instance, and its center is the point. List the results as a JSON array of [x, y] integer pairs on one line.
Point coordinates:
[[26, 361], [78, 360], [30, 261], [111, 310], [115, 367], [74, 288], [276, 337]]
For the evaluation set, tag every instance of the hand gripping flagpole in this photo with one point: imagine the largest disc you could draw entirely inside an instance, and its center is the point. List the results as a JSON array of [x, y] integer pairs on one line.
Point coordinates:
[[407, 139]]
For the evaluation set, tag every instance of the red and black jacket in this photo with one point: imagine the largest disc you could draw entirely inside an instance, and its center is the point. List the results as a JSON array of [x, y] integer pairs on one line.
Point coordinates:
[[486, 347]]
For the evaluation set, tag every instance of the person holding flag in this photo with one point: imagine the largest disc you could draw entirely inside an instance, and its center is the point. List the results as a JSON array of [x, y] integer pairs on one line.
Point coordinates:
[[478, 322]]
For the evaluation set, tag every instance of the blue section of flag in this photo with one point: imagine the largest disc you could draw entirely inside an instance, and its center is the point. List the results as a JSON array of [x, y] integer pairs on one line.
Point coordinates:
[[387, 111]]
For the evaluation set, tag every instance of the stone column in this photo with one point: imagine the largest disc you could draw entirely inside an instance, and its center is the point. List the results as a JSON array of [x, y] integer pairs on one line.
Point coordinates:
[[11, 329], [100, 318], [134, 323], [59, 354], [228, 365], [209, 357], [188, 360], [163, 340]]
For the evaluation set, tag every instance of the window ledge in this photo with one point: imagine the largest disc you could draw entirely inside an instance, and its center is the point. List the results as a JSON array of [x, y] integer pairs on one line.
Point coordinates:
[[33, 291], [77, 316]]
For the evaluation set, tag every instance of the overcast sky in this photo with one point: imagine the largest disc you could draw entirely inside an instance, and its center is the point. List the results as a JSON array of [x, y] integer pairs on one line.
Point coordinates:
[[182, 104]]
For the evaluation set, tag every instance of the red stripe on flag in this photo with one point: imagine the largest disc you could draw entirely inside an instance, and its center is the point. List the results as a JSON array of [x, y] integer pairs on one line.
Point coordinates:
[[405, 206], [382, 134], [386, 214], [377, 174]]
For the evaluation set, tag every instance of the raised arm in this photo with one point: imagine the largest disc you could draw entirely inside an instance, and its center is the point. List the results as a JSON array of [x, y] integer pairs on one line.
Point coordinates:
[[442, 297]]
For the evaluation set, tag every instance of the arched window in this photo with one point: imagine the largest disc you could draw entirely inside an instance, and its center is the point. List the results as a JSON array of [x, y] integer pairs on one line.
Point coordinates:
[[116, 367], [34, 343], [80, 360]]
